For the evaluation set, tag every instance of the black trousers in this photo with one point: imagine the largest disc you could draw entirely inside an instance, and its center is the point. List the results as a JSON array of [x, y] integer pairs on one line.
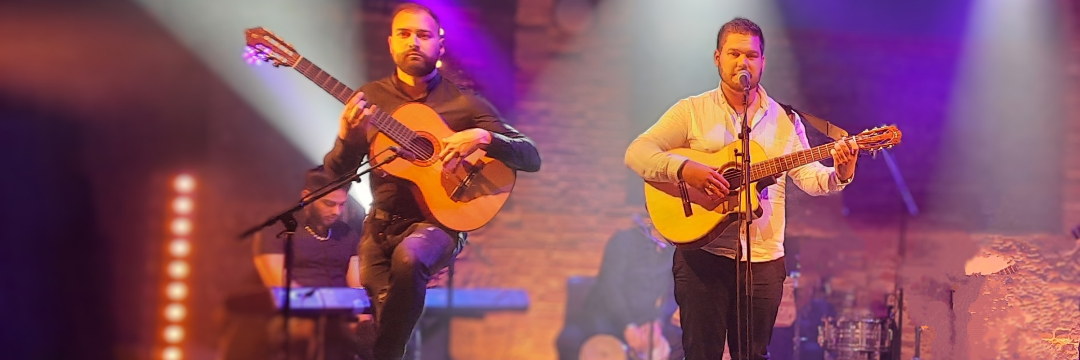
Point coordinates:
[[705, 290], [395, 271]]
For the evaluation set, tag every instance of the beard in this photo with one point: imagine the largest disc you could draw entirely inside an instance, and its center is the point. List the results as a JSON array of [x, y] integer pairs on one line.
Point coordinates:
[[418, 68], [320, 220], [733, 81]]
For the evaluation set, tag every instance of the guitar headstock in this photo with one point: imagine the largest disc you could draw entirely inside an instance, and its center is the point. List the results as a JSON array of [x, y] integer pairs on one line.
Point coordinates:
[[263, 45], [878, 138]]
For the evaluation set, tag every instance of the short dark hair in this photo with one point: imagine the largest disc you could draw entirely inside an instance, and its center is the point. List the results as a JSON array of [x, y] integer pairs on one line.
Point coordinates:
[[414, 8], [740, 26], [317, 178]]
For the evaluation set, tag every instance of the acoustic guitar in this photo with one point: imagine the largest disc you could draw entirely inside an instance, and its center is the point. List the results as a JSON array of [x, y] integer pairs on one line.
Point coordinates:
[[462, 195], [685, 216]]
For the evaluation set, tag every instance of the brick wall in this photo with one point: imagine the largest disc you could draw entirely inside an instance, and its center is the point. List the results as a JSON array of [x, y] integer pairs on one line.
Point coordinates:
[[571, 95], [1071, 163], [573, 103]]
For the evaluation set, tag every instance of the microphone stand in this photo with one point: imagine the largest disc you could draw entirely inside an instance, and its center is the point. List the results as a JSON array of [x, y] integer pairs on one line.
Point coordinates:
[[289, 222], [745, 216], [912, 210]]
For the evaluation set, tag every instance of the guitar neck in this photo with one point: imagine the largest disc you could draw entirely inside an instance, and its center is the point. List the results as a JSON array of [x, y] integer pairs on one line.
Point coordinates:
[[382, 120], [332, 85], [787, 162]]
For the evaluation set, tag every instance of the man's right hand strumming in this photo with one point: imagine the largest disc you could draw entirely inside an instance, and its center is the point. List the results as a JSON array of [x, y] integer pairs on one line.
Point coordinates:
[[704, 178], [356, 110]]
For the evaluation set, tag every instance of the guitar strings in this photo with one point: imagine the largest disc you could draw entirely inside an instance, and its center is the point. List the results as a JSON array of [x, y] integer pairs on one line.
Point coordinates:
[[408, 144]]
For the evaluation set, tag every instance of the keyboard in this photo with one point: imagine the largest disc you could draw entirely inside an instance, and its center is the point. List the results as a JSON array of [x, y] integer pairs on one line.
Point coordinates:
[[349, 300]]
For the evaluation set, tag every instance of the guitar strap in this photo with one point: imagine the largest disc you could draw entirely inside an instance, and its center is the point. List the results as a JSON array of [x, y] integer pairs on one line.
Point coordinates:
[[822, 125]]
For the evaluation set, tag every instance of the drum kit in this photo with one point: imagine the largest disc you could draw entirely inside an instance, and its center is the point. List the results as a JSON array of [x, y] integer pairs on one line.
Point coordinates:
[[849, 332], [855, 338]]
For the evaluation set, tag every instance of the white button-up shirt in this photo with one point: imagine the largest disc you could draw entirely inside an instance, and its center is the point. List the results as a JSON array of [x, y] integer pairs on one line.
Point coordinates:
[[707, 123]]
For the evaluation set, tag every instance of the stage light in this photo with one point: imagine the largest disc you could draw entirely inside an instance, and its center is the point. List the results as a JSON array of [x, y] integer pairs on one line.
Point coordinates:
[[324, 31], [176, 291], [181, 226], [175, 312], [178, 269], [183, 205], [184, 184], [171, 353], [179, 248], [173, 334]]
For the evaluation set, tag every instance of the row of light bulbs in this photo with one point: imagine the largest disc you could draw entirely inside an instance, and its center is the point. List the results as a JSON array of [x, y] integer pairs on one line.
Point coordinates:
[[176, 290]]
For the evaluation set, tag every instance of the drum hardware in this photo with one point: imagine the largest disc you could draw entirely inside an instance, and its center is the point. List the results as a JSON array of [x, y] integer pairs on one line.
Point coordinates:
[[855, 337]]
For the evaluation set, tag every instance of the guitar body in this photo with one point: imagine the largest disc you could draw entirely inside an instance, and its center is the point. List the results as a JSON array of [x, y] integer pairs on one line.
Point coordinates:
[[435, 182], [710, 216]]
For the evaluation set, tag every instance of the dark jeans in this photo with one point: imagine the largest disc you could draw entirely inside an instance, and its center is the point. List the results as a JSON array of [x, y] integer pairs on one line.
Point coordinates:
[[705, 291], [395, 271]]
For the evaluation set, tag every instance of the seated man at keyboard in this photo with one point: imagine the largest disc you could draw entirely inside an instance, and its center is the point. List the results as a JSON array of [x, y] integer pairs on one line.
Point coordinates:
[[325, 255]]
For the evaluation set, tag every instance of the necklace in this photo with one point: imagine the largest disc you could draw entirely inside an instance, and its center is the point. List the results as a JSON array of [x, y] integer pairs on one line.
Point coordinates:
[[321, 238]]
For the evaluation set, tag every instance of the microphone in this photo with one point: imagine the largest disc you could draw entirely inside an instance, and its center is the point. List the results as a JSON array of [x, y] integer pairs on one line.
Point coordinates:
[[744, 79], [402, 153]]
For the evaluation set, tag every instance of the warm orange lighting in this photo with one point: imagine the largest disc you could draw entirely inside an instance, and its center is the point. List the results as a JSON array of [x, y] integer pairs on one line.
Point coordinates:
[[176, 291], [175, 312], [184, 184], [178, 269], [174, 334], [181, 226], [171, 353], [183, 205], [179, 248]]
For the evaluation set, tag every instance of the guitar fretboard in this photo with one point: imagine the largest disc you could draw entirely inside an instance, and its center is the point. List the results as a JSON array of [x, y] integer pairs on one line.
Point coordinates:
[[380, 119], [790, 161], [338, 90]]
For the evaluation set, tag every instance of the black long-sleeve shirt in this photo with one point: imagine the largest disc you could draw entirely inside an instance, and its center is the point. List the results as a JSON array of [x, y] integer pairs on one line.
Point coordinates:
[[460, 109], [634, 279]]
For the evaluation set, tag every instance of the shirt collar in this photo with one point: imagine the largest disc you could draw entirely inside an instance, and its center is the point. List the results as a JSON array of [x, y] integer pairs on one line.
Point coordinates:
[[435, 80], [763, 98]]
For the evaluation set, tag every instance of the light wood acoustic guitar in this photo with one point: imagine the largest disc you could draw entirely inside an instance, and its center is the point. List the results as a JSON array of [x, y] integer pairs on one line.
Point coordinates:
[[462, 195], [686, 216]]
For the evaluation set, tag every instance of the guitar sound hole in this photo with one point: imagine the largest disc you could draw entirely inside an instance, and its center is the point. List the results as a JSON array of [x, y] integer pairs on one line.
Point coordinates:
[[733, 177], [422, 147]]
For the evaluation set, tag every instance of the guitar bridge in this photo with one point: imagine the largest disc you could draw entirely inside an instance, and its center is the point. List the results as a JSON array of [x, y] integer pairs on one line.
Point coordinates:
[[459, 191]]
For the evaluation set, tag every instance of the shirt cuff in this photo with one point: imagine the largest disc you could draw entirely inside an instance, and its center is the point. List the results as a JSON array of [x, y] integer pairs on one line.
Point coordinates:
[[840, 185], [675, 164]]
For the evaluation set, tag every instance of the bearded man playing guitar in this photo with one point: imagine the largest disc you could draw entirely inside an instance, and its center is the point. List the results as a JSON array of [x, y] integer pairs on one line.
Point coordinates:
[[403, 242], [705, 274]]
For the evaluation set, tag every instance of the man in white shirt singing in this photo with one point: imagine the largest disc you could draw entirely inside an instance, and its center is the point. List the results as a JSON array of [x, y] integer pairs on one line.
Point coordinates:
[[705, 278]]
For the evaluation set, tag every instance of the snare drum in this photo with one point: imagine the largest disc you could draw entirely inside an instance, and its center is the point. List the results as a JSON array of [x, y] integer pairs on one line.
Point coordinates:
[[859, 334], [603, 347]]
